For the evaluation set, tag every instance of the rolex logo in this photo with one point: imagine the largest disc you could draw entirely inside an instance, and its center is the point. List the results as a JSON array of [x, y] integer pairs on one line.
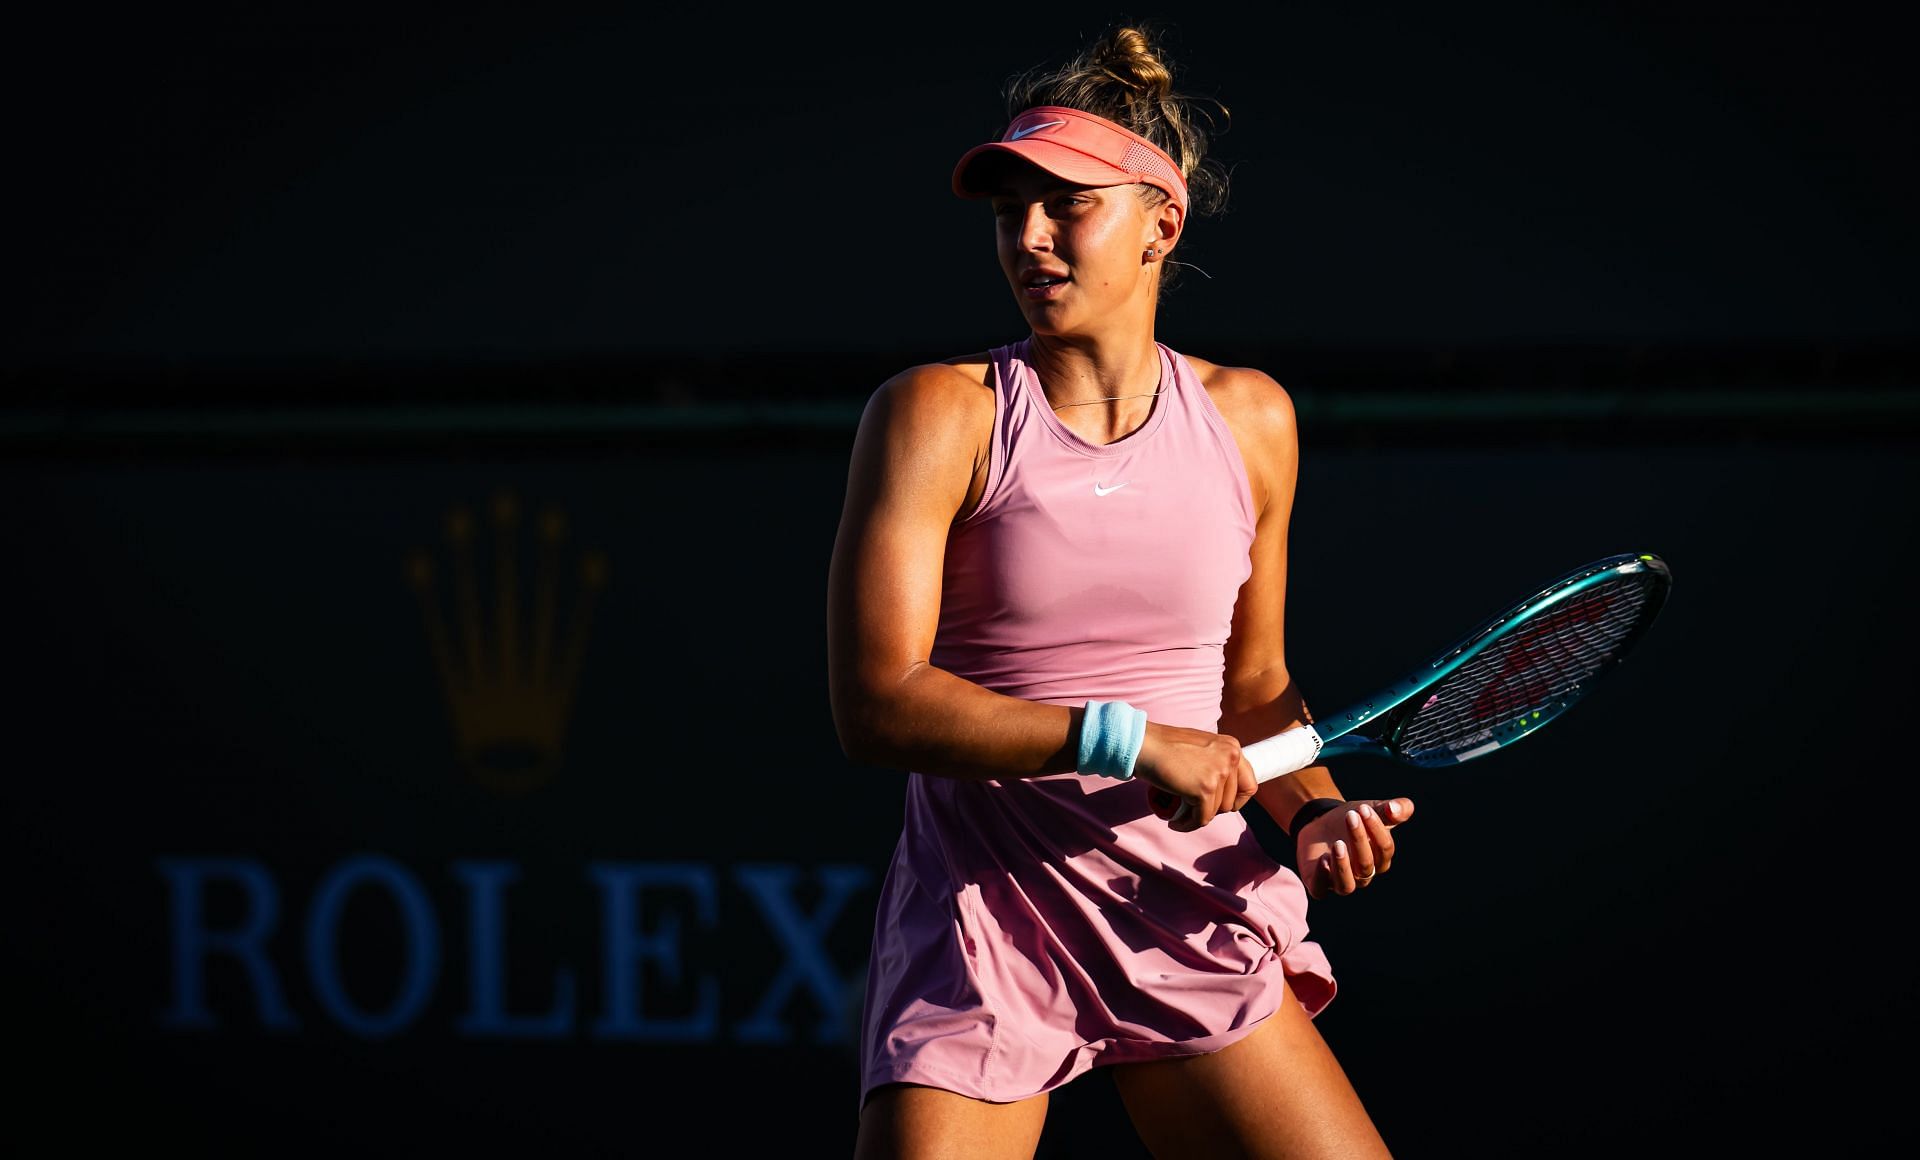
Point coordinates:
[[508, 667]]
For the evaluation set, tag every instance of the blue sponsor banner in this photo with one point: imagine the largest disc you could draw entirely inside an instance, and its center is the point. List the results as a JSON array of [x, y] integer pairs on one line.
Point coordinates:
[[652, 987]]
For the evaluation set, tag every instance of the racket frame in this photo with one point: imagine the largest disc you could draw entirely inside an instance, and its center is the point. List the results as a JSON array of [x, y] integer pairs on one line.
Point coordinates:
[[1339, 734]]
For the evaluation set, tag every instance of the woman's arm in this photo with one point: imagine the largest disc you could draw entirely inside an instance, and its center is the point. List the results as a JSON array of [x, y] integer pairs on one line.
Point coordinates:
[[1260, 697], [918, 462], [917, 453]]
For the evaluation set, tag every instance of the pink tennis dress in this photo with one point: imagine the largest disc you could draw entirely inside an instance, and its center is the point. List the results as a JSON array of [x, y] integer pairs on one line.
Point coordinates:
[[1031, 929]]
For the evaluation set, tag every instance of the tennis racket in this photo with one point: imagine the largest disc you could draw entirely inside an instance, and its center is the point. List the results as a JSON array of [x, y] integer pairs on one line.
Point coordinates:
[[1520, 669]]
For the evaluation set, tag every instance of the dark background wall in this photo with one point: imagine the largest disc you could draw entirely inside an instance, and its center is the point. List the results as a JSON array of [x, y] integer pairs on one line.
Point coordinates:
[[304, 295], [298, 182]]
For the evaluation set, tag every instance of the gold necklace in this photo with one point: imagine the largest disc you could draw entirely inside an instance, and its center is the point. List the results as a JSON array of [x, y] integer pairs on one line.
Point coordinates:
[[1108, 399]]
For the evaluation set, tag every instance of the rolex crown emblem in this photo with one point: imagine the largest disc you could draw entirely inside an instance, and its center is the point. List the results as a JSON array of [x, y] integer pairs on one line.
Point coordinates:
[[508, 669]]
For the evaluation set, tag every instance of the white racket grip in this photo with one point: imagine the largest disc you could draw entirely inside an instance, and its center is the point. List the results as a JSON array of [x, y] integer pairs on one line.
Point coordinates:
[[1280, 754], [1275, 755], [1283, 752]]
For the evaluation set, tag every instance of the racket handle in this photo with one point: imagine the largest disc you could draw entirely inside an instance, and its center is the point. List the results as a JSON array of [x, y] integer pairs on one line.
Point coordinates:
[[1283, 752], [1271, 757]]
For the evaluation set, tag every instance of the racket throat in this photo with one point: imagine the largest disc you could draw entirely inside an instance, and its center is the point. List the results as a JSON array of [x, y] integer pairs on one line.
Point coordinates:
[[1354, 743]]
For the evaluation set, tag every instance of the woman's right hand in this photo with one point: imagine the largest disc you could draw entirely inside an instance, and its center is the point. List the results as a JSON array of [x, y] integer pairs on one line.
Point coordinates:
[[1205, 772]]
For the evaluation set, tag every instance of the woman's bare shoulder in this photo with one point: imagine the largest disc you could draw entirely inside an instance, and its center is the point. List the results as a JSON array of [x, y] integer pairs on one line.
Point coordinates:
[[932, 421], [1259, 413], [1247, 397], [951, 389]]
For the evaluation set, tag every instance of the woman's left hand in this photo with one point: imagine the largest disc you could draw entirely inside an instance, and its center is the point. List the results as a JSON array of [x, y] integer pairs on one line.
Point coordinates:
[[1345, 849]]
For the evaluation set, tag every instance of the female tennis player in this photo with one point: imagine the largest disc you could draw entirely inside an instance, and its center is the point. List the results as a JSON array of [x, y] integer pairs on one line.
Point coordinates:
[[1056, 599]]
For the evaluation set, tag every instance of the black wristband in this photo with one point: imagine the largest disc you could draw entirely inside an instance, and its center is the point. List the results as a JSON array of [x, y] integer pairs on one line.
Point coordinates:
[[1310, 811]]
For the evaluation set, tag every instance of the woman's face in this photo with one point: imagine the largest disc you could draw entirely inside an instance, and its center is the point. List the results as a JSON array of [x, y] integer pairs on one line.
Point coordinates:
[[1074, 255]]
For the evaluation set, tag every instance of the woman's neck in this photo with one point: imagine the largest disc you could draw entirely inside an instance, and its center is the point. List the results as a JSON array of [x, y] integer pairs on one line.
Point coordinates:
[[1084, 374], [1102, 392]]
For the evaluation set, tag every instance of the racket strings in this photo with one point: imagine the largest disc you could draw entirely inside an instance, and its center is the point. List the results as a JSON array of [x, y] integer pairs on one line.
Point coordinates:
[[1529, 673]]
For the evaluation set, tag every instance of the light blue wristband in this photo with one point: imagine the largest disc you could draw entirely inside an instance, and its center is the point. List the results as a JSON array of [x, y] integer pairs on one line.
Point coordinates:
[[1110, 737]]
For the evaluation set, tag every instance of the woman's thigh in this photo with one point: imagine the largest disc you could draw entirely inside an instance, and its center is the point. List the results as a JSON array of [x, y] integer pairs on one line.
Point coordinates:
[[906, 1121], [1278, 1092]]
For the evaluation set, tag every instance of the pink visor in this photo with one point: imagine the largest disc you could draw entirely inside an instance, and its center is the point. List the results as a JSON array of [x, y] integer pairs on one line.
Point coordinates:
[[1078, 147]]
